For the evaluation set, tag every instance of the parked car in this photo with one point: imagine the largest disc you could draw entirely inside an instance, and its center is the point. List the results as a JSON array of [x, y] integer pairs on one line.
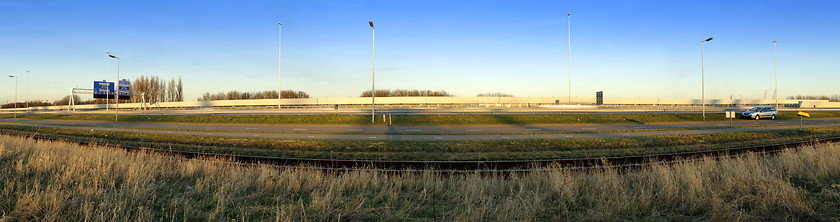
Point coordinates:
[[759, 112]]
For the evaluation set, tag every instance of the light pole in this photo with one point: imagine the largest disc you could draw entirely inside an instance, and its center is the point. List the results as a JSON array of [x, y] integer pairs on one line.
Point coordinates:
[[27, 89], [117, 107], [16, 82], [373, 75], [703, 78], [570, 57], [776, 72], [279, 42]]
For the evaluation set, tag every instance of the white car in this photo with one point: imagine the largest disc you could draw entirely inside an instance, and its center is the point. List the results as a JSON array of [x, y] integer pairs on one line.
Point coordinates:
[[759, 112]]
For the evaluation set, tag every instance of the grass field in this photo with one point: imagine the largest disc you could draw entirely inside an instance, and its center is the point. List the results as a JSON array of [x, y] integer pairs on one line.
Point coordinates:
[[504, 119], [54, 181], [435, 150]]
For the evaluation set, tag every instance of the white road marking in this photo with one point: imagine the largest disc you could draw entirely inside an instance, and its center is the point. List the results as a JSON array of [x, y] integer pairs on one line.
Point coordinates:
[[299, 129], [437, 137], [372, 137], [413, 130], [568, 136], [505, 137], [256, 135], [473, 130], [311, 136], [589, 128]]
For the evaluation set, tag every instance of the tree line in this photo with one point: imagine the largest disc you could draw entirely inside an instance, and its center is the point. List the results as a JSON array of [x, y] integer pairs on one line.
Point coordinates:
[[268, 94], [494, 94], [155, 89], [833, 98], [406, 93]]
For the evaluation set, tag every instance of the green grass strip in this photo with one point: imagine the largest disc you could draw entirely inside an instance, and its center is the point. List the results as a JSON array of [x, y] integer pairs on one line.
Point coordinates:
[[436, 150]]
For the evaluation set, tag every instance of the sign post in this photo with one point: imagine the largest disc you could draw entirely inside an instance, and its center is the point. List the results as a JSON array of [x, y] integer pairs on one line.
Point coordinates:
[[730, 115], [802, 114]]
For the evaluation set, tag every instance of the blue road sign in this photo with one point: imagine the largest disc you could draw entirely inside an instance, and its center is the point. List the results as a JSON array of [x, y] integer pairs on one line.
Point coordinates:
[[102, 89], [124, 89]]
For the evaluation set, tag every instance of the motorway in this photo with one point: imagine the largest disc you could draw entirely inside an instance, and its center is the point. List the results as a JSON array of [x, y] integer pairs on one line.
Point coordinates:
[[428, 133]]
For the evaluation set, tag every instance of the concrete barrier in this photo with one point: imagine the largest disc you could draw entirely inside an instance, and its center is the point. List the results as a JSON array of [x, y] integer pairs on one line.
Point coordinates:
[[453, 101]]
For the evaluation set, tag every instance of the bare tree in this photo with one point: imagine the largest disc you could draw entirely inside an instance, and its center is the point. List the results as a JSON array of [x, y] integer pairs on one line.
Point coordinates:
[[494, 94], [405, 93]]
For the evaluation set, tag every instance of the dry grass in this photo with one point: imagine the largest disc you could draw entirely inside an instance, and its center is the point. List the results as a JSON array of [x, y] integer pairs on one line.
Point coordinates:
[[53, 181]]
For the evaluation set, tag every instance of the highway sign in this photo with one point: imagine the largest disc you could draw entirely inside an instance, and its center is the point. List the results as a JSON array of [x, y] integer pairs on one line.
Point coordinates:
[[124, 89], [102, 89]]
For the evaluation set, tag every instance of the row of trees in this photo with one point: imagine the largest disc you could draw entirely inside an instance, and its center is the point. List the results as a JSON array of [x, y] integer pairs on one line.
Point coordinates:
[[494, 94], [405, 93], [833, 98], [156, 89], [268, 94]]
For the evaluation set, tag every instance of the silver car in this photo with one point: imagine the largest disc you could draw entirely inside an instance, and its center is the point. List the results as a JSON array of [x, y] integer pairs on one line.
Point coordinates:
[[759, 112]]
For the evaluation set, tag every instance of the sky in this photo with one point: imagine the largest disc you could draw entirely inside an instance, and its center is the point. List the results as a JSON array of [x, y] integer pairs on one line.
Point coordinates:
[[628, 49]]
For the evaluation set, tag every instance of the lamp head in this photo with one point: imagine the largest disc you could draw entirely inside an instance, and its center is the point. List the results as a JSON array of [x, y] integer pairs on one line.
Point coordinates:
[[280, 23], [112, 56], [709, 39], [371, 23], [775, 41], [11, 76]]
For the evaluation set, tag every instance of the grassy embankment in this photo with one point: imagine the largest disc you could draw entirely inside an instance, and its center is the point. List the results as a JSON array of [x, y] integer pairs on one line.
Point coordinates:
[[53, 181], [435, 150], [502, 119]]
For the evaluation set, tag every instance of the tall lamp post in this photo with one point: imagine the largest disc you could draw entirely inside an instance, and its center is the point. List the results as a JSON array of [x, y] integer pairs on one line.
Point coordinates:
[[117, 105], [570, 57], [16, 82], [776, 72], [703, 78], [279, 37], [373, 75], [27, 89]]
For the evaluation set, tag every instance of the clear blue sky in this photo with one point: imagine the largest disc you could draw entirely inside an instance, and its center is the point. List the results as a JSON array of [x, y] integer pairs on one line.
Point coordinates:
[[625, 48]]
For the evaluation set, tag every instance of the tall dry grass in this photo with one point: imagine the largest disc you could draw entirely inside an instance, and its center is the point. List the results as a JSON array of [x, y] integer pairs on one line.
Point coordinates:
[[53, 181]]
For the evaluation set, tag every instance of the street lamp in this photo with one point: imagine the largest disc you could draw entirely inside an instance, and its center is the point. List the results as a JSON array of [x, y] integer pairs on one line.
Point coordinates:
[[703, 78], [279, 42], [16, 82], [117, 107], [776, 72], [570, 57], [373, 76], [27, 89]]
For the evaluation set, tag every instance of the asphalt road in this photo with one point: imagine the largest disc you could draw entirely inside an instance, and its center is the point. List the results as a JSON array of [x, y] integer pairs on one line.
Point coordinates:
[[477, 132]]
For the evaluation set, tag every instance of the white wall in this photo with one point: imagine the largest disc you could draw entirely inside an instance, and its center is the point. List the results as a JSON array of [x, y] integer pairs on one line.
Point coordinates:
[[490, 101]]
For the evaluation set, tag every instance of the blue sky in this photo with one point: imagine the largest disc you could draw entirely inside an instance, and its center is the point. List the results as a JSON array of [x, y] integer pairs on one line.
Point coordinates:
[[648, 49]]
